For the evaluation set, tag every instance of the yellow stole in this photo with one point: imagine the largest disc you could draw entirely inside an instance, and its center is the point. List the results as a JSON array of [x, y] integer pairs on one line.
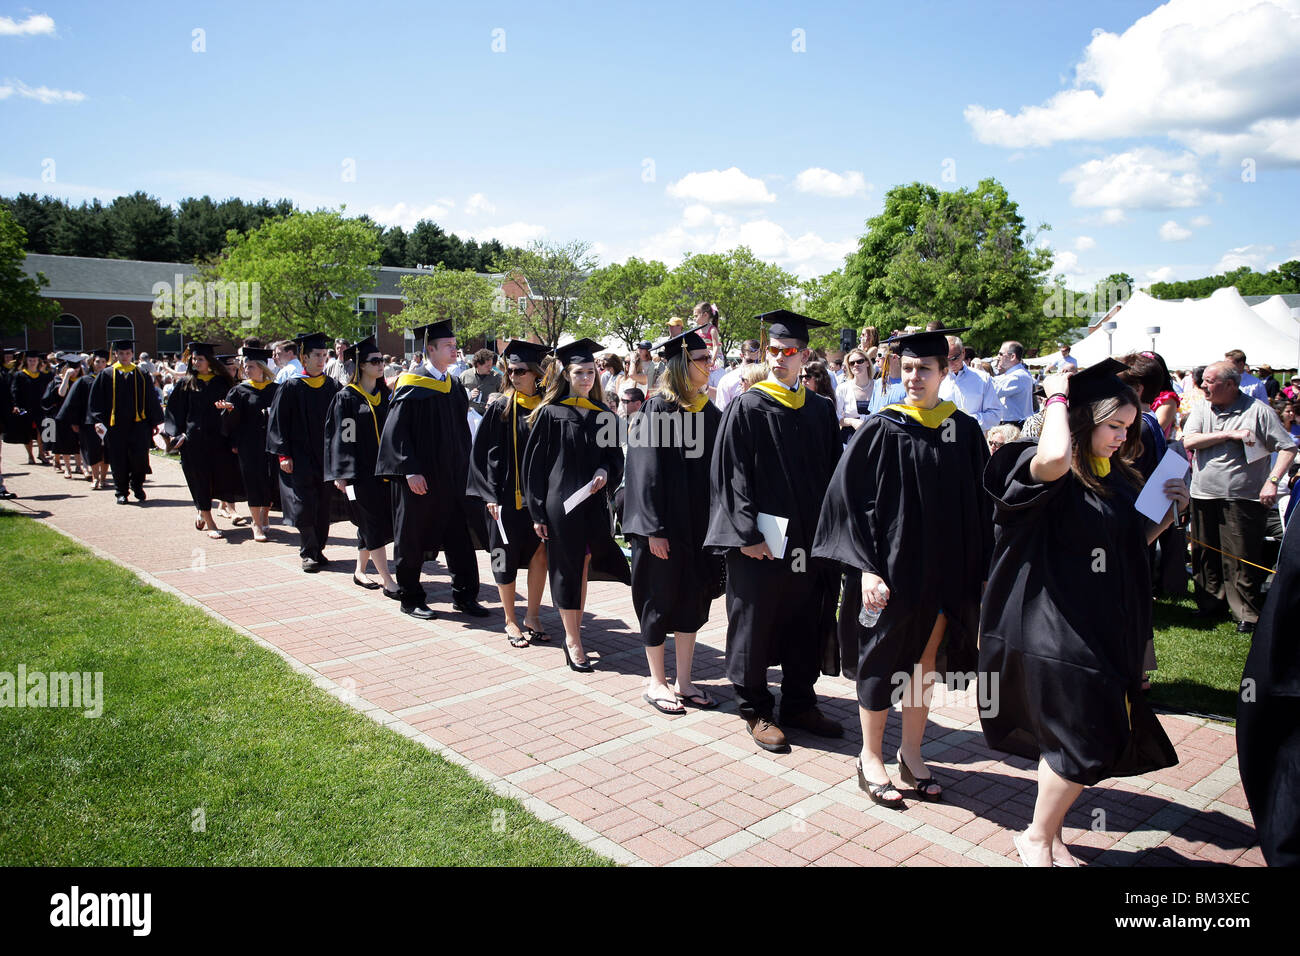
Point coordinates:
[[1100, 466], [700, 401], [528, 402], [136, 393], [373, 402], [929, 417], [32, 375], [257, 385], [782, 394], [315, 381], [205, 377], [423, 381], [577, 401]]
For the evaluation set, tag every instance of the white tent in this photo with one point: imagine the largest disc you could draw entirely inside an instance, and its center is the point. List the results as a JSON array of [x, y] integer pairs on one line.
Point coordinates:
[[1195, 332], [1278, 314]]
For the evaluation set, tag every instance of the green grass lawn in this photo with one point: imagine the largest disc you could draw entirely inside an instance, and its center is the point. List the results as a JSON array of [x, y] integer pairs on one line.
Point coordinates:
[[1200, 662], [197, 717]]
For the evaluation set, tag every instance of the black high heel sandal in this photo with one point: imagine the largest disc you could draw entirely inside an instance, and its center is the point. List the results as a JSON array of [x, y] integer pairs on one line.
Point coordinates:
[[920, 784], [877, 791]]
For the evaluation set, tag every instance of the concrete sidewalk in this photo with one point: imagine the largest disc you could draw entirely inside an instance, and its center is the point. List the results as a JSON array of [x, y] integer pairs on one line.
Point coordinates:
[[586, 753]]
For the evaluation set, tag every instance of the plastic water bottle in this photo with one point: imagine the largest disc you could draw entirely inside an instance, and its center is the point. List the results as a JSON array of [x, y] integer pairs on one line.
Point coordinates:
[[868, 617]]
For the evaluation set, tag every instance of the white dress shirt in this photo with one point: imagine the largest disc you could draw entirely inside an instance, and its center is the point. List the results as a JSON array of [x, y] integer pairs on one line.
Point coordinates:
[[728, 387], [974, 395], [291, 369], [1015, 389]]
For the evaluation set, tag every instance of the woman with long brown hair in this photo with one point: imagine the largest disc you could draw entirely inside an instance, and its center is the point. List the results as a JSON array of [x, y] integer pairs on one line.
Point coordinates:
[[496, 478], [243, 422], [572, 458]]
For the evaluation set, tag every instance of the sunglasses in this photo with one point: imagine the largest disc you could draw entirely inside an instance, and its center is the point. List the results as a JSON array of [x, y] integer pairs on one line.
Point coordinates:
[[519, 371], [775, 350], [377, 360], [807, 375], [855, 362]]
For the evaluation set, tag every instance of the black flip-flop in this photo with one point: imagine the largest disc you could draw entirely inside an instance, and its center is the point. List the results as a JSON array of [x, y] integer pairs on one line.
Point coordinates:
[[520, 641], [657, 705], [694, 700]]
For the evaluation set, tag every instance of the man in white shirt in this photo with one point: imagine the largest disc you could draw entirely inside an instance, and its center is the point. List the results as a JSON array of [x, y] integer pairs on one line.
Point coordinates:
[[339, 368], [285, 356], [1014, 384], [729, 385], [968, 390], [1250, 385], [1063, 361]]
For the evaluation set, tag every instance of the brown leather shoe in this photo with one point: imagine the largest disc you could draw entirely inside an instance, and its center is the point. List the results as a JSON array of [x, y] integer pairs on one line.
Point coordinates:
[[767, 734], [815, 722]]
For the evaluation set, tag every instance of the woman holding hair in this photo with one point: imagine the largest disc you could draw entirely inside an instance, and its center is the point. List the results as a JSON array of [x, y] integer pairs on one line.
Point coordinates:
[[666, 516], [243, 421], [353, 424], [570, 450], [193, 419], [496, 478], [1067, 611], [905, 509]]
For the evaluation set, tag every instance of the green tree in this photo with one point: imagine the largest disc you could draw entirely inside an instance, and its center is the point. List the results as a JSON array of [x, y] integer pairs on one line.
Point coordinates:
[[461, 296], [21, 303], [740, 284], [552, 275], [1283, 280], [964, 257], [83, 231], [611, 298], [309, 268], [823, 298], [142, 228]]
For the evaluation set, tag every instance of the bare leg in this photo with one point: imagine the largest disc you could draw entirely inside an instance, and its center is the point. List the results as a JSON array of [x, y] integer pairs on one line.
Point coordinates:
[[685, 646], [209, 524], [1055, 797], [873, 741], [363, 558], [916, 699], [657, 686], [572, 619], [379, 557], [536, 585], [507, 594]]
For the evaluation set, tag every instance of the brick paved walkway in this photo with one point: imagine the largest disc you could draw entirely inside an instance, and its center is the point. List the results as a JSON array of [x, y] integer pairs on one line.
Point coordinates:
[[586, 753]]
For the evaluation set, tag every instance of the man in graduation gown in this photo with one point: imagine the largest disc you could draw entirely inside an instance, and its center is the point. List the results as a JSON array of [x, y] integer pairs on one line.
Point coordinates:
[[775, 453], [295, 432], [125, 412], [424, 451]]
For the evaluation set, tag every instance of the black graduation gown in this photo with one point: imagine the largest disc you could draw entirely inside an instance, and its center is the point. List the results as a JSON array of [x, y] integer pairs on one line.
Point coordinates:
[[211, 469], [352, 430], [76, 411], [1066, 615], [778, 460], [127, 404], [907, 504], [566, 448], [26, 394], [65, 439], [1268, 713], [244, 426], [427, 433], [296, 429], [492, 479], [666, 495]]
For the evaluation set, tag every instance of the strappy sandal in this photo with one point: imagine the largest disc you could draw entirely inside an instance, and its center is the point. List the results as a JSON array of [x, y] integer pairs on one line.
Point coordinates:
[[922, 785], [534, 635], [877, 791], [517, 641]]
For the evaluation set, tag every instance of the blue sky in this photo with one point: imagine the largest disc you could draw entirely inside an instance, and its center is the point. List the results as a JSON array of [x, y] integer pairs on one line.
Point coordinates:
[[668, 128]]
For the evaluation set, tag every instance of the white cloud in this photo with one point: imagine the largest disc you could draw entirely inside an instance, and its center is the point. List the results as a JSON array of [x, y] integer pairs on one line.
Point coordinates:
[[1066, 262], [406, 216], [1205, 72], [823, 182], [478, 203], [1172, 232], [721, 187], [510, 234], [1200, 222], [1113, 217], [702, 230], [1163, 274], [1142, 178], [697, 215], [1253, 255], [1084, 243], [38, 24], [42, 93]]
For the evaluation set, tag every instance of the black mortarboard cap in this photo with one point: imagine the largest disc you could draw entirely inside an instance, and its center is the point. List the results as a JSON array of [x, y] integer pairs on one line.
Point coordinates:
[[437, 330], [227, 357], [312, 340], [119, 344], [99, 353], [784, 324], [583, 350], [683, 342], [206, 349], [354, 353], [531, 353], [255, 355], [33, 353], [1096, 382], [932, 344]]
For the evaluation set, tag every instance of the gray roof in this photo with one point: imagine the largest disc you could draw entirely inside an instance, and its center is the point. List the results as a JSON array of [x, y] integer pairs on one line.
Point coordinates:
[[86, 278], [1292, 299]]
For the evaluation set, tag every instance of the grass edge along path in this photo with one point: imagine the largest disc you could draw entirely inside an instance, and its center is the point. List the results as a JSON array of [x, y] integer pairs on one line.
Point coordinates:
[[211, 750]]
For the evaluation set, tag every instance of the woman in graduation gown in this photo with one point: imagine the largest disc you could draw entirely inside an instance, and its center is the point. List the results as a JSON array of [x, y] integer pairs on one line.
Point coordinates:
[[66, 448], [75, 413], [244, 414], [1067, 611], [27, 386], [574, 445], [666, 516], [906, 508], [352, 428], [193, 419], [496, 478]]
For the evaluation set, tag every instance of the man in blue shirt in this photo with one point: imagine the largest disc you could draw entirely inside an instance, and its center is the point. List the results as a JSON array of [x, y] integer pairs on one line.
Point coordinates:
[[1014, 384]]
